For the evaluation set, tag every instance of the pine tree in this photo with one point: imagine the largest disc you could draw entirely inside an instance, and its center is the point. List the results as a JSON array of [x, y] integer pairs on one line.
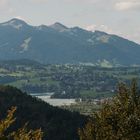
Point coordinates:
[[119, 119]]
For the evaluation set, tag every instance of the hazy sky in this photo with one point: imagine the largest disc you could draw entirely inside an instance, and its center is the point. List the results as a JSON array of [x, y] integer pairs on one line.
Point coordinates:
[[120, 17]]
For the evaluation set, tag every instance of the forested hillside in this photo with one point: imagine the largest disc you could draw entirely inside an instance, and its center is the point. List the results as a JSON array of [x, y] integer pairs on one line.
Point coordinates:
[[57, 124]]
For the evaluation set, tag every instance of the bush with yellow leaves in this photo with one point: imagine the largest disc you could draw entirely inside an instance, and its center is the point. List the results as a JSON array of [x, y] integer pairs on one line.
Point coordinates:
[[21, 134]]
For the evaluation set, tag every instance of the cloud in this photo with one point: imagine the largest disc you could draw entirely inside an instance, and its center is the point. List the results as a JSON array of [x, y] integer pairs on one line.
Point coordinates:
[[131, 35], [99, 27], [127, 5]]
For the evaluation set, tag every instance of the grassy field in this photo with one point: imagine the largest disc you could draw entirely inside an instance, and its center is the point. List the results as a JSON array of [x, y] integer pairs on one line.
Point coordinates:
[[84, 108], [73, 80], [95, 94]]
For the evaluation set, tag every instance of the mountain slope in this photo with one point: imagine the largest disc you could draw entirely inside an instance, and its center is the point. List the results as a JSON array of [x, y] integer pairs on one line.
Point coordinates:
[[59, 44], [57, 124]]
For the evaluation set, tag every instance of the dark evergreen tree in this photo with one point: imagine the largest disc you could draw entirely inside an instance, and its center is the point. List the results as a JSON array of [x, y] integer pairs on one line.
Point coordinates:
[[119, 119]]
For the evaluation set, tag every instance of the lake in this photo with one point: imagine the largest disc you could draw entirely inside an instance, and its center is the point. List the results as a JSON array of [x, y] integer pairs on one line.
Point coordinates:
[[55, 102]]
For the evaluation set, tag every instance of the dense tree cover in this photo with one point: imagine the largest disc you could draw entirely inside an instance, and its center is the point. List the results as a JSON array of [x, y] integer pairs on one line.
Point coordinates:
[[119, 119], [20, 134], [66, 81], [56, 124]]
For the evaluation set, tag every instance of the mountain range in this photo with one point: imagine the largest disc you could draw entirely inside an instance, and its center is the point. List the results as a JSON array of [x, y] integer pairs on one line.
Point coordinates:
[[58, 44]]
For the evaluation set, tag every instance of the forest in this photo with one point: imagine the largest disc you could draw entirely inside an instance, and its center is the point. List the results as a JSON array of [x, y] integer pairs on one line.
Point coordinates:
[[54, 122], [65, 81], [118, 119]]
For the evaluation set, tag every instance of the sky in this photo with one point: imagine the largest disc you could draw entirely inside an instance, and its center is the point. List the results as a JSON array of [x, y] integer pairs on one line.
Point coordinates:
[[121, 17]]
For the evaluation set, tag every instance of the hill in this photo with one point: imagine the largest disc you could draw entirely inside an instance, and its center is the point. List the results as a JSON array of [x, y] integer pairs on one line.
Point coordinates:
[[58, 44], [55, 123]]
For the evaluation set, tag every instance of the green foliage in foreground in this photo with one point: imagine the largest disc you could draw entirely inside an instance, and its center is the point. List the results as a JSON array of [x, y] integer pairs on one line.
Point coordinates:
[[119, 119], [20, 134]]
